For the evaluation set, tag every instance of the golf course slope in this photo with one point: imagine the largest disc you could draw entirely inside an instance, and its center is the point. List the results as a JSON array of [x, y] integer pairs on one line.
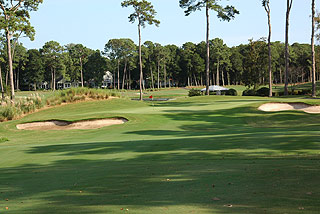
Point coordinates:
[[198, 155]]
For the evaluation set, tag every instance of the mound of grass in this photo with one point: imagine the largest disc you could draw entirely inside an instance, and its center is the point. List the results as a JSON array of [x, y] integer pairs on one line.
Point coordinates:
[[80, 94], [25, 105]]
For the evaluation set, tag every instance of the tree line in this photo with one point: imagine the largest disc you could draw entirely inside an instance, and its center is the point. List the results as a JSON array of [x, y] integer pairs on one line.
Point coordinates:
[[190, 58], [163, 66]]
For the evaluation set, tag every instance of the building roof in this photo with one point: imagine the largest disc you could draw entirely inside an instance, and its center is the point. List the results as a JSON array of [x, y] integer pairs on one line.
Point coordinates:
[[215, 88]]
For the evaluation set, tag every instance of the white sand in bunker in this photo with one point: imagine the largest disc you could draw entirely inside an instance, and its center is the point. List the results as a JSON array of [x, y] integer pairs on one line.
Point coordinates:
[[64, 125], [273, 107]]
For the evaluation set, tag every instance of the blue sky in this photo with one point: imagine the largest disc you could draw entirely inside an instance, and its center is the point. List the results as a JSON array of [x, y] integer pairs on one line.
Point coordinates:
[[93, 23]]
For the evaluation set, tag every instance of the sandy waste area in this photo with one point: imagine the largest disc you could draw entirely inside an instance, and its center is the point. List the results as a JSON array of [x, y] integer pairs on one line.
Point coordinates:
[[273, 107], [63, 125]]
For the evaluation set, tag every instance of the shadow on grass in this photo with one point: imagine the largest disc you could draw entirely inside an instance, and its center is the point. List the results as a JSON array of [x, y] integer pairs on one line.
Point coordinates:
[[224, 154], [153, 182]]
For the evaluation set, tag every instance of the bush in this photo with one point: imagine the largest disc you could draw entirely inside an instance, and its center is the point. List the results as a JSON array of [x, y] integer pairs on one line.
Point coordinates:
[[26, 106], [10, 112], [263, 92], [194, 92], [3, 139], [249, 92], [306, 92], [232, 92]]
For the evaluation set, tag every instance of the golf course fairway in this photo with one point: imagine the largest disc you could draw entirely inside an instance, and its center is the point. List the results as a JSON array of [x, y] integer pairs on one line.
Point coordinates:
[[216, 154]]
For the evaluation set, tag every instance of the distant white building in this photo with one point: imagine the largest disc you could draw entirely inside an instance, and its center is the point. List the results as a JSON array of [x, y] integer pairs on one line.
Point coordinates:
[[62, 83], [107, 80]]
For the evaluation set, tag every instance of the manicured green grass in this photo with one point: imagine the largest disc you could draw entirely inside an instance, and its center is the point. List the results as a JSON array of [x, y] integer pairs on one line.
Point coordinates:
[[189, 155], [161, 93]]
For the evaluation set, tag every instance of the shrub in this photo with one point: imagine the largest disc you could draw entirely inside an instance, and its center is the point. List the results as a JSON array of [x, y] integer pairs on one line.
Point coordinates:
[[306, 92], [263, 92], [10, 112], [26, 106], [194, 92], [232, 92], [249, 92], [3, 139], [295, 92], [38, 102]]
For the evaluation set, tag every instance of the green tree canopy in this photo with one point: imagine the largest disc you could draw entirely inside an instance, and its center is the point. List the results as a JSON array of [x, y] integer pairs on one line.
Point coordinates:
[[53, 60], [14, 20]]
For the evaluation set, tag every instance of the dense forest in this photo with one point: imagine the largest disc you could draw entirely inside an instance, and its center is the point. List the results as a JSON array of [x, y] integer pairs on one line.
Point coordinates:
[[163, 66]]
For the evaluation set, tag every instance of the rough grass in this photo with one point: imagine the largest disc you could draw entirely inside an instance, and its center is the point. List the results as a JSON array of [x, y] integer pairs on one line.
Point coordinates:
[[27, 102], [190, 155]]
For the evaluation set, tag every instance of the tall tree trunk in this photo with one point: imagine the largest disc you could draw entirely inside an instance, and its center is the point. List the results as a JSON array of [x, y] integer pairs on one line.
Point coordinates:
[[158, 74], [313, 51], [15, 78], [54, 79], [1, 82], [208, 50], [140, 59], [289, 5], [267, 8], [165, 75], [7, 76], [152, 81], [129, 79], [280, 75], [143, 83], [114, 79], [213, 79], [8, 37], [218, 78], [118, 74], [81, 70], [195, 80], [222, 78], [124, 73], [18, 76]]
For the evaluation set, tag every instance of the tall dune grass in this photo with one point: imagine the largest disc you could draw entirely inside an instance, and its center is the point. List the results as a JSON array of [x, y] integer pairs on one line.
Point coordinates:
[[21, 106]]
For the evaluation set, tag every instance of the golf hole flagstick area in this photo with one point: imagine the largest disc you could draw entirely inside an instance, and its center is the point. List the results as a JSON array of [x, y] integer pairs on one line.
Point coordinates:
[[274, 107], [65, 125]]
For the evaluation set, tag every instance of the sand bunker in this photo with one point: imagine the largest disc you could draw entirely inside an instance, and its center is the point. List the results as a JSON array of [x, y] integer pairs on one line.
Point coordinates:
[[64, 125], [272, 107]]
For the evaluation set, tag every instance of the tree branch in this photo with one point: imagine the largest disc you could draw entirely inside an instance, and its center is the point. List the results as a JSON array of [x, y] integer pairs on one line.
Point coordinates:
[[17, 6], [15, 44], [290, 4], [2, 7]]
